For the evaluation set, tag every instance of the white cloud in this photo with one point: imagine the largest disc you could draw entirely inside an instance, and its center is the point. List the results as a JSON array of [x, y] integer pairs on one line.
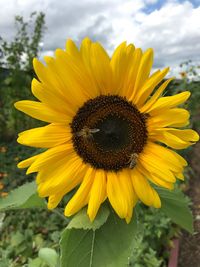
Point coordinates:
[[173, 30]]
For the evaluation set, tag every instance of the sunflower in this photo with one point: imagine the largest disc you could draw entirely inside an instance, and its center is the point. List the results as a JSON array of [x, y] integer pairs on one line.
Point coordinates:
[[107, 119]]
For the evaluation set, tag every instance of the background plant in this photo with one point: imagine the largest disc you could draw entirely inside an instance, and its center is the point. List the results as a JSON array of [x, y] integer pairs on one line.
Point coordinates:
[[16, 72]]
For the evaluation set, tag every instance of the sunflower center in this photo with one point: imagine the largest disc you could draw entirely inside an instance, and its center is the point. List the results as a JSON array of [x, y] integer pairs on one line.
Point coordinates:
[[108, 131], [113, 133]]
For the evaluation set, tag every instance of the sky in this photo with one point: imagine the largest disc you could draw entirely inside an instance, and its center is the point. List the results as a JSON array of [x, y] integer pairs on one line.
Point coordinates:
[[171, 27]]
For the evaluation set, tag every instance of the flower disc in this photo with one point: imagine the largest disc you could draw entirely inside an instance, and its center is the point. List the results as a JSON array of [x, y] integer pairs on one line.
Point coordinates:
[[120, 132]]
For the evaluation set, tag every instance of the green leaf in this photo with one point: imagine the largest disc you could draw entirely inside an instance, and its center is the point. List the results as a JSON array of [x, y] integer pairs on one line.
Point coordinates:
[[175, 205], [17, 239], [34, 201], [108, 246], [22, 197], [36, 263], [82, 221], [49, 256]]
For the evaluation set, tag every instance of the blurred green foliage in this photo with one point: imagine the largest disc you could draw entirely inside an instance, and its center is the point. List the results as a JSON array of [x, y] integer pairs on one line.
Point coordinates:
[[152, 250], [16, 73], [24, 232]]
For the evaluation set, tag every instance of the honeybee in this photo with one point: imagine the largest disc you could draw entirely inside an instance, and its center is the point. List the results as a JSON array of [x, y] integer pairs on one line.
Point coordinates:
[[133, 160], [87, 133]]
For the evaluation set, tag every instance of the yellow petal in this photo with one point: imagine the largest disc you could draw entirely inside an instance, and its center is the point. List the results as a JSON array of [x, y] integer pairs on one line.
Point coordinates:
[[45, 74], [124, 88], [186, 135], [159, 169], [144, 191], [116, 195], [41, 112], [72, 183], [181, 159], [97, 194], [159, 182], [47, 136], [78, 200], [124, 178], [71, 77], [55, 198], [154, 179], [85, 52], [61, 180], [180, 176], [143, 70], [175, 138], [51, 157], [118, 65], [172, 140], [53, 201], [53, 79], [27, 162], [154, 98], [172, 117], [72, 74], [100, 64], [57, 82], [169, 102], [149, 86], [51, 98], [163, 154], [132, 74], [72, 49]]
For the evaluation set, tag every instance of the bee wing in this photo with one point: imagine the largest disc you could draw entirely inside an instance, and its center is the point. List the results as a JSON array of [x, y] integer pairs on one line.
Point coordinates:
[[132, 164], [94, 130]]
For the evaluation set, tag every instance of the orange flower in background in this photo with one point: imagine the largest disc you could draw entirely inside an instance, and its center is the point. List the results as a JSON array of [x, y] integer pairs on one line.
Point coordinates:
[[106, 125], [183, 74], [3, 149], [1, 186], [2, 194]]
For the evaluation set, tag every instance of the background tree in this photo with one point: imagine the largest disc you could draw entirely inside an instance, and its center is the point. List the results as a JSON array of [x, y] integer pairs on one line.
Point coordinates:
[[16, 71]]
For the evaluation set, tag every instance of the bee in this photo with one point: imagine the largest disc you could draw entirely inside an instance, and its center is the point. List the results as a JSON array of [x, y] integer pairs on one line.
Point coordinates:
[[87, 133], [133, 160]]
